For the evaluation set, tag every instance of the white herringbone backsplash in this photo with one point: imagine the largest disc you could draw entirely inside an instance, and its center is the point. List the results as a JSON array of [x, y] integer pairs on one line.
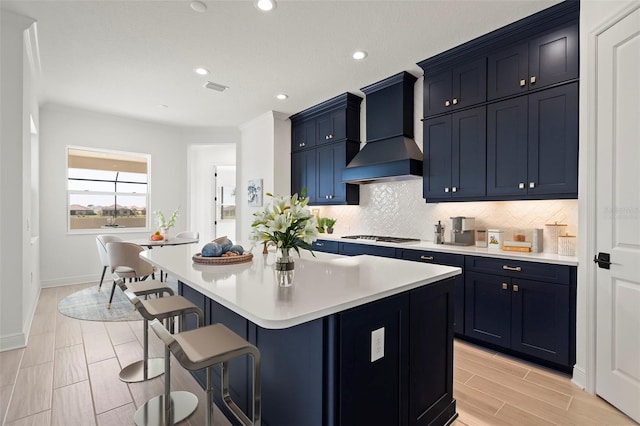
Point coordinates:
[[398, 209]]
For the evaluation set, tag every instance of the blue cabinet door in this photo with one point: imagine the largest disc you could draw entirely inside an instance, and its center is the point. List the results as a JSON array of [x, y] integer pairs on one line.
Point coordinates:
[[553, 57], [303, 174], [553, 141], [303, 135], [468, 153], [437, 92], [331, 127], [436, 154], [507, 147], [508, 71], [540, 320], [488, 308], [469, 84]]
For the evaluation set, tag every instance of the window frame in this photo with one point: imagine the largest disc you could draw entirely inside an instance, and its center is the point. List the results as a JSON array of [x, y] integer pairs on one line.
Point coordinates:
[[106, 229]]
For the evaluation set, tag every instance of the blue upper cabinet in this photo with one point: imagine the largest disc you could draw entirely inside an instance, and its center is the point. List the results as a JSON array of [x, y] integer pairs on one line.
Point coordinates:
[[459, 87], [523, 79], [543, 61], [324, 138]]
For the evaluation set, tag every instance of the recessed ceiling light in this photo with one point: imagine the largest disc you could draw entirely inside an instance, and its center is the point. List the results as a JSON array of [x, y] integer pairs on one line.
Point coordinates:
[[282, 96], [359, 55], [198, 6], [215, 86], [201, 71], [265, 5]]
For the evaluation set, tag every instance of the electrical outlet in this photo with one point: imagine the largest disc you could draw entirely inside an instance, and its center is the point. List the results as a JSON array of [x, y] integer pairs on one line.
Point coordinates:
[[377, 344]]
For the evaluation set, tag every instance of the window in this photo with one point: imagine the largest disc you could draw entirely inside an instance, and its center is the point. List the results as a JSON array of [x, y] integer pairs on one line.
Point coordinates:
[[106, 189]]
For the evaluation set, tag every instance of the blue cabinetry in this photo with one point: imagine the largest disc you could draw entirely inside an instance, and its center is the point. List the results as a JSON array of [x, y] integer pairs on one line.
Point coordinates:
[[523, 307], [326, 246], [324, 138], [454, 156]]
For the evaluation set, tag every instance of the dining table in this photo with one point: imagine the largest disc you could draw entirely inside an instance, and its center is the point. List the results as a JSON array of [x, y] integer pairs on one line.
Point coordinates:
[[175, 241]]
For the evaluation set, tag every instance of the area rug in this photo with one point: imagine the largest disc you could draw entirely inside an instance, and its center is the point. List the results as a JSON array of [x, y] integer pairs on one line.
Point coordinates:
[[91, 305]]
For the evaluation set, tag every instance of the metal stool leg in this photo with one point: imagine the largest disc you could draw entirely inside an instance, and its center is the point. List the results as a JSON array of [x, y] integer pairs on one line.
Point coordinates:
[[145, 369], [169, 408]]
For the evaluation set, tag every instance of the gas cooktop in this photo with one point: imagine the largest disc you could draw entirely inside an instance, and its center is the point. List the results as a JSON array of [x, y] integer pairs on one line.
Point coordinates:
[[382, 239]]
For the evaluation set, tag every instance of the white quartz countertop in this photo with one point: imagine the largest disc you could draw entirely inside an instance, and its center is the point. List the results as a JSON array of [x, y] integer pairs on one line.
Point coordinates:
[[466, 250], [323, 285]]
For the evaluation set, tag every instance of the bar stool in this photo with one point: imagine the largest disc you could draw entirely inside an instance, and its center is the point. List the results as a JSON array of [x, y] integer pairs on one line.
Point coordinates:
[[147, 368], [207, 346], [181, 404]]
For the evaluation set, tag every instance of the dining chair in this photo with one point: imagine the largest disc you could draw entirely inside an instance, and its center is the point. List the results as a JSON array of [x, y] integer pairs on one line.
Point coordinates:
[[125, 261], [101, 242], [188, 234]]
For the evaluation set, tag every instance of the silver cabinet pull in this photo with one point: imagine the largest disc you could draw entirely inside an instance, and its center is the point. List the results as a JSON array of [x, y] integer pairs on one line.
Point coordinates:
[[328, 197], [533, 79], [505, 286], [512, 268], [447, 103], [319, 244], [454, 189], [532, 184], [301, 144], [446, 189], [515, 287], [523, 82], [426, 257], [521, 185], [455, 101], [329, 136]]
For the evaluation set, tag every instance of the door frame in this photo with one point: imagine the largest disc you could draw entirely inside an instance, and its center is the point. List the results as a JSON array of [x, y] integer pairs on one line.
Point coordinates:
[[585, 375]]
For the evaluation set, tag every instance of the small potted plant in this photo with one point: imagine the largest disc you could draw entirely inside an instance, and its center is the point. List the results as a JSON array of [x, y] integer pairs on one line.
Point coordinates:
[[329, 222], [163, 224], [321, 224]]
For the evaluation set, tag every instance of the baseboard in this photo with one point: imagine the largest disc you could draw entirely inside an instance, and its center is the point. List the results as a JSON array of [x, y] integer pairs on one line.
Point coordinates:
[[12, 341], [59, 282], [579, 377]]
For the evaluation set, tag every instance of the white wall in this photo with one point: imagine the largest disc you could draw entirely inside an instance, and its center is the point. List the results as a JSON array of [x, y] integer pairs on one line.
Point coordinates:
[[18, 290], [264, 153], [72, 258]]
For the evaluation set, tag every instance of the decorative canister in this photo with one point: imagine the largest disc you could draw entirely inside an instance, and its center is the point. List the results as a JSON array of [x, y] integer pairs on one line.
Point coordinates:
[[481, 237], [494, 240], [554, 231], [536, 244], [567, 245]]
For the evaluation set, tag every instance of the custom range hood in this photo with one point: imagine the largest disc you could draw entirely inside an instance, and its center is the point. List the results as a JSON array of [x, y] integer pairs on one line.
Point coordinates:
[[390, 153]]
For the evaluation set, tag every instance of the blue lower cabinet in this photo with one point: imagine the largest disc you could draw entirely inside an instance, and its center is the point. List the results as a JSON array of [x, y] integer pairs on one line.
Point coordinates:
[[355, 249], [446, 259], [326, 246], [533, 319]]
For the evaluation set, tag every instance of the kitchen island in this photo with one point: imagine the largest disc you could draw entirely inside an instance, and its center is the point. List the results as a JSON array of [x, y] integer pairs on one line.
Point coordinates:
[[356, 340]]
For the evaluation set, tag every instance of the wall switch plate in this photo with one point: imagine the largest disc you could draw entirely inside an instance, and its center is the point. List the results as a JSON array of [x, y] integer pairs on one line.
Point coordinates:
[[377, 344]]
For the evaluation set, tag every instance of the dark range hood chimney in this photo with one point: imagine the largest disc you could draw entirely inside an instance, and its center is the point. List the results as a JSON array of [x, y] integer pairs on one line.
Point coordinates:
[[390, 153]]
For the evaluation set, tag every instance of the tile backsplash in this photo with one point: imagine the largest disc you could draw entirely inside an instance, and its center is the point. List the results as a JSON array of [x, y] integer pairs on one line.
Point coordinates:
[[398, 209]]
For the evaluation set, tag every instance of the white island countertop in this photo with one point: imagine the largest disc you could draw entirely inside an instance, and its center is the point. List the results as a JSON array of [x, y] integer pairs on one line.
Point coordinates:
[[323, 285]]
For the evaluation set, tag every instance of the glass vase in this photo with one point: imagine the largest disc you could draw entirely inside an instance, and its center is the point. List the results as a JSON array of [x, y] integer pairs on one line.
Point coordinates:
[[284, 268]]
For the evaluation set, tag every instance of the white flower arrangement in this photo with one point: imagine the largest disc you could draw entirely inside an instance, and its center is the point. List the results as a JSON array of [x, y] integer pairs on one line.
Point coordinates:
[[162, 223], [287, 223]]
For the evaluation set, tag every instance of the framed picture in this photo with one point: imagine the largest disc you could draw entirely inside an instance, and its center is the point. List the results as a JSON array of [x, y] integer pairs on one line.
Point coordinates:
[[254, 192]]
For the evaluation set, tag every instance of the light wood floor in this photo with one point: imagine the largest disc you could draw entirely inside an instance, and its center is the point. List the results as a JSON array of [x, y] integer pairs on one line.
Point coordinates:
[[68, 375]]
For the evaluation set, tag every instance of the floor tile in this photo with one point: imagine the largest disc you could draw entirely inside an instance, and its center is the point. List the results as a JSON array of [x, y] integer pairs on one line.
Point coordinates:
[[72, 406], [107, 389], [70, 366], [32, 392]]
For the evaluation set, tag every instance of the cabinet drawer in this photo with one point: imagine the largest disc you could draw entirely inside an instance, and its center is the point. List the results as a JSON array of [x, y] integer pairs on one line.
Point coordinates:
[[434, 257], [560, 274], [326, 246]]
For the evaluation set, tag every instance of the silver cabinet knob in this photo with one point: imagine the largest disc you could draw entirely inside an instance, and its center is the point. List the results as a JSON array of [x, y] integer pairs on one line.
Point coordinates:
[[454, 189], [505, 286], [523, 82], [455, 101], [446, 189], [515, 287], [329, 136], [301, 144], [521, 185], [447, 103], [533, 79], [532, 184]]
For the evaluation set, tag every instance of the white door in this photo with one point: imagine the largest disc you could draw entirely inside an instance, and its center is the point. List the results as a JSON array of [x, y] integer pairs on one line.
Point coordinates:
[[225, 202], [618, 214]]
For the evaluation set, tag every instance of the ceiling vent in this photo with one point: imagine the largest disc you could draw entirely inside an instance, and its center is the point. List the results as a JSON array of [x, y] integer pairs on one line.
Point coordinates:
[[215, 86]]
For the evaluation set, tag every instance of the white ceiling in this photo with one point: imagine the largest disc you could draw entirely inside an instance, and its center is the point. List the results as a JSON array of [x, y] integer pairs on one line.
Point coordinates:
[[129, 57]]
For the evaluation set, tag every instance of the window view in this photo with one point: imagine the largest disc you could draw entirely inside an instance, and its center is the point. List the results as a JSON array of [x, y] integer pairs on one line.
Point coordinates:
[[106, 189]]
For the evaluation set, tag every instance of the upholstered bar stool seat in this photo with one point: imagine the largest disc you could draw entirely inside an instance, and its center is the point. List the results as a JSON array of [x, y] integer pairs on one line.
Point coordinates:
[[208, 346], [181, 404]]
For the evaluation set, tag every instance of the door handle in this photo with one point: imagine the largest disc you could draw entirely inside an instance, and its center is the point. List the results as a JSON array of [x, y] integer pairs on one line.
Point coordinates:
[[603, 260], [426, 257], [512, 268]]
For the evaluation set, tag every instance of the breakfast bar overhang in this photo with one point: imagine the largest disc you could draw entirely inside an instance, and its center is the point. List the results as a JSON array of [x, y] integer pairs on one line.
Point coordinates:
[[356, 340]]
